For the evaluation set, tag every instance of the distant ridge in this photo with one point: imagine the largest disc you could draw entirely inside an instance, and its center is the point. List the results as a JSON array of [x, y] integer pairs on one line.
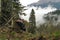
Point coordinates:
[[45, 4]]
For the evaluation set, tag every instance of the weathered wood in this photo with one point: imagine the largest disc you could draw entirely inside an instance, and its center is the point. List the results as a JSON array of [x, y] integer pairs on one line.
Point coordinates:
[[10, 20]]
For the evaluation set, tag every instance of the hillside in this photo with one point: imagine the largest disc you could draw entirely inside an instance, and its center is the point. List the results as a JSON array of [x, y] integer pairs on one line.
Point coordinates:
[[45, 4]]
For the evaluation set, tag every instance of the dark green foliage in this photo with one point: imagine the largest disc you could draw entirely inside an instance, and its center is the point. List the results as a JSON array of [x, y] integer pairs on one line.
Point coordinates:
[[5, 11], [13, 7], [32, 21], [52, 16], [56, 12], [10, 10]]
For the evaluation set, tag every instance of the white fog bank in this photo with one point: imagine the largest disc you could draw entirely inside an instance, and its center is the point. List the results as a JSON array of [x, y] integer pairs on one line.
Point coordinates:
[[39, 13]]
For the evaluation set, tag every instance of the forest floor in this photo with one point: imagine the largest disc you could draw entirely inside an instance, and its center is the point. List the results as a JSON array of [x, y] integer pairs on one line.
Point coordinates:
[[7, 34]]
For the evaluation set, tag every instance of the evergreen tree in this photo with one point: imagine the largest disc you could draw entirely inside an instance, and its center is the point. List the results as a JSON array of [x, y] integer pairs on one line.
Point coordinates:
[[5, 11], [32, 21], [9, 11]]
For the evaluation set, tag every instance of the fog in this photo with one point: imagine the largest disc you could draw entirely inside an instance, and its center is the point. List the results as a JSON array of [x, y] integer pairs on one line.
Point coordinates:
[[39, 13]]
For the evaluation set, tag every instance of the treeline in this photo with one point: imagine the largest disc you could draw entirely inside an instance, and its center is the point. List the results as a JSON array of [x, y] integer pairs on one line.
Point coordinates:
[[10, 10]]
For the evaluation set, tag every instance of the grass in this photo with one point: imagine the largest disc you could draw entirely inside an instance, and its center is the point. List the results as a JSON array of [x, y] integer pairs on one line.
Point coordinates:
[[5, 34]]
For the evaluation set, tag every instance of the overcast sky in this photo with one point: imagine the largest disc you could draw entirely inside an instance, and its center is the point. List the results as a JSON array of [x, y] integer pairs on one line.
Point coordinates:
[[27, 2]]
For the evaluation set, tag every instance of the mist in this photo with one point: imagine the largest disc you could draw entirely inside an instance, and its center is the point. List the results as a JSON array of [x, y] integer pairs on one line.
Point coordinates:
[[39, 13]]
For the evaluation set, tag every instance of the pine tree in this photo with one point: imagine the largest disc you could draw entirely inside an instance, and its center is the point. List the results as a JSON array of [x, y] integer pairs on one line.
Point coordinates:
[[32, 21], [5, 11], [9, 11]]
